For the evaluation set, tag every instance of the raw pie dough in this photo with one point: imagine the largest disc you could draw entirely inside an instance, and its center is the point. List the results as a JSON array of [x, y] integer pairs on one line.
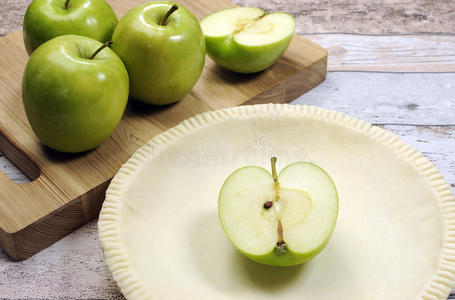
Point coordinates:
[[394, 237]]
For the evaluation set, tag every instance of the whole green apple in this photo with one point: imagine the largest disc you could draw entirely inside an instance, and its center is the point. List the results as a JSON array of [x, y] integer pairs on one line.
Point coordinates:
[[279, 220], [246, 39], [46, 19], [163, 49], [74, 92]]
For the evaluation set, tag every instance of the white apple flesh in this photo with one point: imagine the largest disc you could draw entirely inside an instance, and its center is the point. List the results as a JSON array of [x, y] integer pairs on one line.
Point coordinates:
[[279, 220], [246, 39]]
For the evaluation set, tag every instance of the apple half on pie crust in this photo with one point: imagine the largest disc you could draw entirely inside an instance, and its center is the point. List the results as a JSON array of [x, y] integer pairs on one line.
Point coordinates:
[[162, 238]]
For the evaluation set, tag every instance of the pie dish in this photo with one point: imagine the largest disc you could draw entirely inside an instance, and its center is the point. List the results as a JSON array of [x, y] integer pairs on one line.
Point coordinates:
[[394, 238]]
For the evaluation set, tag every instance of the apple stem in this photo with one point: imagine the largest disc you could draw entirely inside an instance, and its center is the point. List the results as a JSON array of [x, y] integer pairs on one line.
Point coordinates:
[[261, 16], [67, 3], [107, 44], [248, 24], [173, 8], [274, 175], [269, 204]]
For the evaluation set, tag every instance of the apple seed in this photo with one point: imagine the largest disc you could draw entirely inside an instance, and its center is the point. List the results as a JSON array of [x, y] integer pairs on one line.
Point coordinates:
[[268, 204]]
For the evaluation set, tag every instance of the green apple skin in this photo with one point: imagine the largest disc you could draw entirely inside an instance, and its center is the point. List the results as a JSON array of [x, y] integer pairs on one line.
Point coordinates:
[[227, 53], [46, 19], [74, 103], [290, 258], [163, 62]]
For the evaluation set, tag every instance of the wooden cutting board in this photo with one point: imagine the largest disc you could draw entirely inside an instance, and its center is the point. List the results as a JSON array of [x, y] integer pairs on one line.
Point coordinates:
[[67, 190]]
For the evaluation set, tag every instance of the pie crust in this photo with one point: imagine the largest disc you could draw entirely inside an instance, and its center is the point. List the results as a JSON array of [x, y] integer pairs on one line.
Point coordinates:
[[394, 238]]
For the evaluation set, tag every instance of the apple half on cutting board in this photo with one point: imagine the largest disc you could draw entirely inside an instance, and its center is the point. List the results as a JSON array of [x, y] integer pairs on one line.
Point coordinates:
[[246, 39]]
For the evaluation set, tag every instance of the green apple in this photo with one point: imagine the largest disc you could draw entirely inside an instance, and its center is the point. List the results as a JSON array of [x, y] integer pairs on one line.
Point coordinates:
[[246, 39], [279, 220], [74, 92], [46, 19], [163, 49]]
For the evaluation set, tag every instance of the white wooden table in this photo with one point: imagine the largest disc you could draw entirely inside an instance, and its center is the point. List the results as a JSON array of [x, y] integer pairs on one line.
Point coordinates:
[[390, 63]]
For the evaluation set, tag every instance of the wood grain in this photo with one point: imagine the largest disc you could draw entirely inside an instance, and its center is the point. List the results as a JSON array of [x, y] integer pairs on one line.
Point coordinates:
[[324, 16], [72, 269], [11, 171], [11, 15], [69, 189], [371, 17], [388, 53], [435, 142], [391, 98]]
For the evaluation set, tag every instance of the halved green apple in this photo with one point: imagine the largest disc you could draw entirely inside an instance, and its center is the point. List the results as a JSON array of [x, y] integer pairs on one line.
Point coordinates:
[[246, 39], [279, 220]]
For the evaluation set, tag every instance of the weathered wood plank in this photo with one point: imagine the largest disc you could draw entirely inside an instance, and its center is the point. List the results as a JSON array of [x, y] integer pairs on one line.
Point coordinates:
[[11, 15], [385, 98], [317, 16], [73, 268], [389, 53], [378, 17], [11, 171], [437, 143]]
